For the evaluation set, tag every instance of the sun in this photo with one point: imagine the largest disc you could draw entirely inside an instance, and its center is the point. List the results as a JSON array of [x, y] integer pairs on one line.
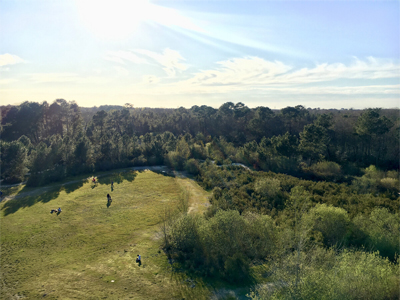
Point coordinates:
[[113, 19]]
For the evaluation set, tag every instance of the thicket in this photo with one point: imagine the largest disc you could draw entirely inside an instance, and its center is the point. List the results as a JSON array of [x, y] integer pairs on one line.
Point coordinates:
[[316, 252]]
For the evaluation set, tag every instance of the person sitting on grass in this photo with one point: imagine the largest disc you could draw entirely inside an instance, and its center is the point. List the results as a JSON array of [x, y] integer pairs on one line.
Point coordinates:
[[58, 211]]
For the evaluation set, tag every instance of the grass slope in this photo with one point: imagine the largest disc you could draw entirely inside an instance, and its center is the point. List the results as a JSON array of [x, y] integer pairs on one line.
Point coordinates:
[[77, 254]]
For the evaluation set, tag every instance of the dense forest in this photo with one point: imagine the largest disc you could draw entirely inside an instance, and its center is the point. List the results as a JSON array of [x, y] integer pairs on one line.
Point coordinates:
[[63, 139], [317, 204]]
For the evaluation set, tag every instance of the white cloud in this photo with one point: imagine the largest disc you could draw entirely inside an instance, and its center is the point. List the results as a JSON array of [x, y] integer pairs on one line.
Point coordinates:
[[122, 56], [170, 60], [255, 71], [249, 70], [9, 59], [256, 75], [372, 68]]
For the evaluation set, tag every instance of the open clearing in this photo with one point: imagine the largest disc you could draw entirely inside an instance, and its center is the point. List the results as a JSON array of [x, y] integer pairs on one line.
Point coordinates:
[[88, 251]]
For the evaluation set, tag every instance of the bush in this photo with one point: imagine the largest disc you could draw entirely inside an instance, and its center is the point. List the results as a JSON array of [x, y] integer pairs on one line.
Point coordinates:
[[322, 274], [382, 231], [332, 222], [327, 170], [391, 184], [222, 246], [192, 166], [268, 187]]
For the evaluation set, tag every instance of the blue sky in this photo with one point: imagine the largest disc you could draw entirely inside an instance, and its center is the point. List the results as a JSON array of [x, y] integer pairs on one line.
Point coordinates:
[[327, 54]]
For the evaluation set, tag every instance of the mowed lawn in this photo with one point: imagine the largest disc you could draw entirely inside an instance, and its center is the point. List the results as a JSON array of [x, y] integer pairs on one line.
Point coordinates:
[[89, 250]]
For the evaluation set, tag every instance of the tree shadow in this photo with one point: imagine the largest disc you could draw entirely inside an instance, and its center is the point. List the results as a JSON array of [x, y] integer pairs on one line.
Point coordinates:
[[117, 178], [46, 194], [34, 196], [71, 187], [14, 205], [168, 173]]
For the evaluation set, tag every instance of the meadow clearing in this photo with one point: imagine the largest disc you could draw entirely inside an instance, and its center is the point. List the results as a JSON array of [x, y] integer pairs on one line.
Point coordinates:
[[88, 251]]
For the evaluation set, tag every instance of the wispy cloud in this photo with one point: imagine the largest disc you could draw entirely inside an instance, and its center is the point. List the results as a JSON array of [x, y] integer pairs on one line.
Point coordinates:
[[169, 59], [256, 75], [255, 71], [123, 56], [371, 68], [249, 70], [9, 59]]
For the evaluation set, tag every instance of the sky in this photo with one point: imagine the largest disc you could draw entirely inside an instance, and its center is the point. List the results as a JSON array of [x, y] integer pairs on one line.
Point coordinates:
[[319, 54]]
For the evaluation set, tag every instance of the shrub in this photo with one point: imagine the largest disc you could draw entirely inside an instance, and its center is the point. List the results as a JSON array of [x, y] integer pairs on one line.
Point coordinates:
[[327, 170], [192, 166], [332, 222], [222, 246], [390, 184], [322, 274], [268, 187], [382, 230]]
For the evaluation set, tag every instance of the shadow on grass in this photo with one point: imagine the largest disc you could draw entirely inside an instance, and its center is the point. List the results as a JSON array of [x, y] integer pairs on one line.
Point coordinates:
[[28, 196], [14, 205], [118, 178], [164, 173]]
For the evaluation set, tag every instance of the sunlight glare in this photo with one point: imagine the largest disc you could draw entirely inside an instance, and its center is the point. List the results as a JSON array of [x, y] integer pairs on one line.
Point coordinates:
[[113, 19]]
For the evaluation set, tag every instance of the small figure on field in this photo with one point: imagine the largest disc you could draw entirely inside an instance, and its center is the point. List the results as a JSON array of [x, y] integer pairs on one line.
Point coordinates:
[[58, 211], [139, 260], [109, 200], [112, 185], [94, 180]]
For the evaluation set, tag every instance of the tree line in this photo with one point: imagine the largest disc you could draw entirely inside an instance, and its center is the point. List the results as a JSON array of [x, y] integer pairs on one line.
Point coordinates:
[[62, 139]]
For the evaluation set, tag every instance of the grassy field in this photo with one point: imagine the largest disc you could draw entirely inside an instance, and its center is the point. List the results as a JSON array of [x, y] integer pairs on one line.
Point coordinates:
[[88, 251]]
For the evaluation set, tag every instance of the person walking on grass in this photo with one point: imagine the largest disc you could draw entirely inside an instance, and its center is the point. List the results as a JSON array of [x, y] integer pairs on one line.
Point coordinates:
[[109, 200]]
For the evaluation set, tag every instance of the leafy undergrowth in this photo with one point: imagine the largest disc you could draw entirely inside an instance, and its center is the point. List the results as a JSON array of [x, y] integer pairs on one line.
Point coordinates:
[[88, 251]]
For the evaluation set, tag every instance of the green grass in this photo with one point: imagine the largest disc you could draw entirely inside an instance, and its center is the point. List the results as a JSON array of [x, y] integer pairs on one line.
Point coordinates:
[[76, 255]]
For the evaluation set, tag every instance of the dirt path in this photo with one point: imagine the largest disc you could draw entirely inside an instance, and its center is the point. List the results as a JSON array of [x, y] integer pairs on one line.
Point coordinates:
[[198, 197]]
